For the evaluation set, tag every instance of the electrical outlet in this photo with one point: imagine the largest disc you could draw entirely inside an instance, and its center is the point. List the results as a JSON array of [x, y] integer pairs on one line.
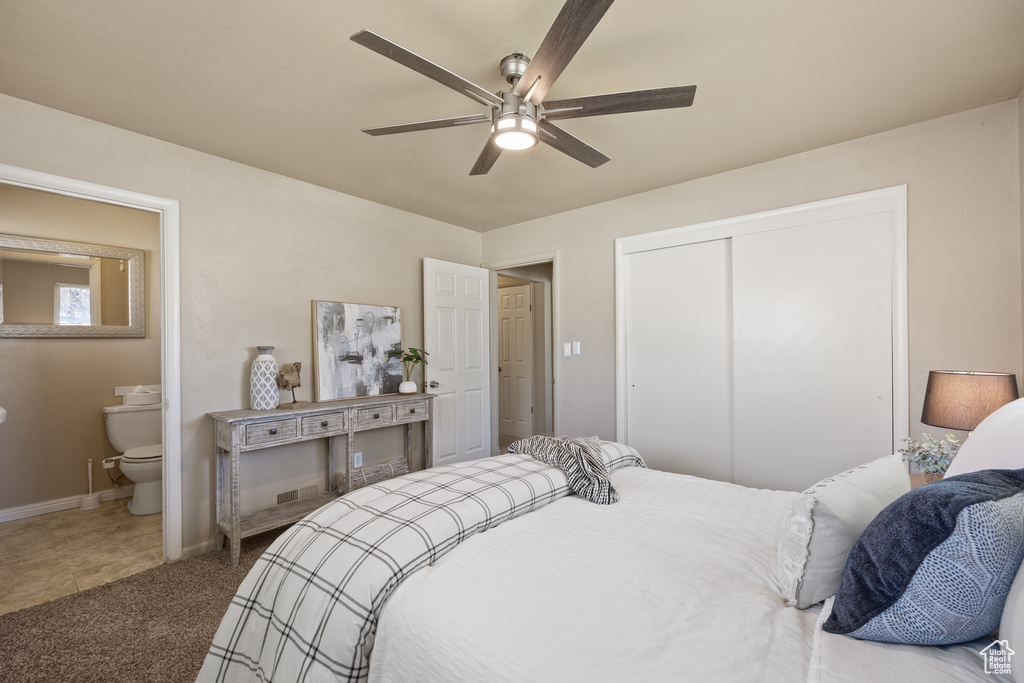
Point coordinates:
[[567, 348], [357, 459]]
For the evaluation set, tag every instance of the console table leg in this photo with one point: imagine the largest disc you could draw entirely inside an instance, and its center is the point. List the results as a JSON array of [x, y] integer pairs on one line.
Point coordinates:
[[350, 450], [221, 456], [408, 446], [330, 464], [236, 505], [428, 441]]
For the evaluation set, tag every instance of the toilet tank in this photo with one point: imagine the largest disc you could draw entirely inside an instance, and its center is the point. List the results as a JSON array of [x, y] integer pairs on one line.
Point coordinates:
[[132, 426]]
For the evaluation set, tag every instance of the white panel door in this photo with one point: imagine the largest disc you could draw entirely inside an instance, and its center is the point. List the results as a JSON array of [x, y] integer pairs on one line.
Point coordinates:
[[679, 358], [814, 350], [515, 361], [455, 315]]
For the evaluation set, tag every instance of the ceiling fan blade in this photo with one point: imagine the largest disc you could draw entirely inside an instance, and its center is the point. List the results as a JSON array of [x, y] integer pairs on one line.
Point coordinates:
[[620, 102], [396, 52], [428, 125], [572, 26], [573, 146], [487, 157]]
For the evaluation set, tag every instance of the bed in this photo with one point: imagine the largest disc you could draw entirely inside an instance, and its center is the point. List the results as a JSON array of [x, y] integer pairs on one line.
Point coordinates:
[[502, 570]]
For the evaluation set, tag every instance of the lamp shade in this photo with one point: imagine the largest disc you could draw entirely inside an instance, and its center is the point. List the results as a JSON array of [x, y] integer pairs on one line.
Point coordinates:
[[961, 400]]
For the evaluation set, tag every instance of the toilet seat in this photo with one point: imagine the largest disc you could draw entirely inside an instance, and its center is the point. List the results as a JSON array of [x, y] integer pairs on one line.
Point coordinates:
[[143, 454]]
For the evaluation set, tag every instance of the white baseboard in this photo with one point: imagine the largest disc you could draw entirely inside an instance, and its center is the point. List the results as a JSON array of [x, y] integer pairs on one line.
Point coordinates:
[[45, 507]]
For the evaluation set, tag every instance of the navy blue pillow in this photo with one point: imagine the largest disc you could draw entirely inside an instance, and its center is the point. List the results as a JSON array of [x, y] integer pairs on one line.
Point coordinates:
[[934, 567]]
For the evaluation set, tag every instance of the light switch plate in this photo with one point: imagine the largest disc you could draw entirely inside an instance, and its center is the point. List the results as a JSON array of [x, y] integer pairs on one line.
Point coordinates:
[[576, 348], [567, 347]]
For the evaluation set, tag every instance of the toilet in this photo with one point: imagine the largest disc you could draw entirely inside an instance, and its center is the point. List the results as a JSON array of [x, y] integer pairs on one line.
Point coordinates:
[[135, 432]]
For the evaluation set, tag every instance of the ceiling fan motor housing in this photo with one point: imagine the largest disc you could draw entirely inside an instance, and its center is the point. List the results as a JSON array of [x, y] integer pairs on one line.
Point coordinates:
[[513, 66]]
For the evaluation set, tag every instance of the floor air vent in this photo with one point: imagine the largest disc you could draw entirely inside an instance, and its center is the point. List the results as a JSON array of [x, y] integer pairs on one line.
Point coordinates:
[[307, 491]]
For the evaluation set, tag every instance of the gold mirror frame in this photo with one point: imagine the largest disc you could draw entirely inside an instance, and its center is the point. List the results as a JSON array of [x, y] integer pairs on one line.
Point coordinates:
[[136, 260]]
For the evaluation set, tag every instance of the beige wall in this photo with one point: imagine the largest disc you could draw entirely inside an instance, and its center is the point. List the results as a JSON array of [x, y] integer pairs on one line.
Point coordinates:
[[54, 389], [1020, 195], [114, 288], [963, 183], [256, 248]]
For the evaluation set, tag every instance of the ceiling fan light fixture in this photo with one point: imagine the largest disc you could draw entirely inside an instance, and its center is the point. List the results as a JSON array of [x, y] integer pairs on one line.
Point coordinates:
[[516, 115], [514, 131]]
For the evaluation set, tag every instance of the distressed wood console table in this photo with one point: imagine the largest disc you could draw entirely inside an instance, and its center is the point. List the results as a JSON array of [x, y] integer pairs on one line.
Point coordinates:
[[239, 431]]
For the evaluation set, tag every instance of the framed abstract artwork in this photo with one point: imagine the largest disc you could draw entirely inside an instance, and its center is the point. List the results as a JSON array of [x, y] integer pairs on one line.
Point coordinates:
[[350, 349]]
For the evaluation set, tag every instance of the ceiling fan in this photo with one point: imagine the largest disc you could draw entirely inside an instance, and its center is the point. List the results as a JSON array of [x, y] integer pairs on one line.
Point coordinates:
[[520, 118]]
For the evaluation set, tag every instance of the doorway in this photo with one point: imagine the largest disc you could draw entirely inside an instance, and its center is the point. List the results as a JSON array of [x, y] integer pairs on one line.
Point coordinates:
[[523, 332], [169, 317]]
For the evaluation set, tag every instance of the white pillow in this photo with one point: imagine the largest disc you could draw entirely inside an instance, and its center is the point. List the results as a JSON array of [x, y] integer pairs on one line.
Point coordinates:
[[822, 525], [995, 444], [617, 455]]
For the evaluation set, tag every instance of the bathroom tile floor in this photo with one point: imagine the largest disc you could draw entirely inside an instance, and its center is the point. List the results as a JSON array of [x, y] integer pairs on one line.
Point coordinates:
[[53, 555]]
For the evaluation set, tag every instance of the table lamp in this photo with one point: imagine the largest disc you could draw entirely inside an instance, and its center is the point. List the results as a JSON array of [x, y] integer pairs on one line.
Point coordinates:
[[957, 399]]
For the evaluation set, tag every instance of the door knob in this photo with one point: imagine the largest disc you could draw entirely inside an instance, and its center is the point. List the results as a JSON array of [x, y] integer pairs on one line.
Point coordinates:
[[434, 384]]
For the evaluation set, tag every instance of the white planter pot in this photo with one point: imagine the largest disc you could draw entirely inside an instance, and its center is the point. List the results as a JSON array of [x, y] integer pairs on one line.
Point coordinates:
[[407, 388]]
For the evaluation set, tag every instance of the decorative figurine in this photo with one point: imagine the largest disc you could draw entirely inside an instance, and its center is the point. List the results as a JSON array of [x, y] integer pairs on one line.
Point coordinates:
[[288, 378]]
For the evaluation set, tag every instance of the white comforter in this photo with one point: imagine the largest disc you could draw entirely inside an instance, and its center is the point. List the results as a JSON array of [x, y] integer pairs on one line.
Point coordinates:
[[677, 581]]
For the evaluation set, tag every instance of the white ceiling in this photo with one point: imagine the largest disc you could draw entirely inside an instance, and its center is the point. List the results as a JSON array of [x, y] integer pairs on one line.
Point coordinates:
[[279, 85]]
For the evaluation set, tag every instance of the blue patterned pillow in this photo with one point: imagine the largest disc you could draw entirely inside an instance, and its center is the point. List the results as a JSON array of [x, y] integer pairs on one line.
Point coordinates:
[[934, 567]]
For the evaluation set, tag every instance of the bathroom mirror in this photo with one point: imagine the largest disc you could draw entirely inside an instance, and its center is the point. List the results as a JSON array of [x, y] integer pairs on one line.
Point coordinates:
[[54, 288]]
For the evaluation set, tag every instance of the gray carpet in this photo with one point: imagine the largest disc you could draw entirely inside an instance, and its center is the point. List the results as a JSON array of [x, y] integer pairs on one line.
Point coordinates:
[[151, 627]]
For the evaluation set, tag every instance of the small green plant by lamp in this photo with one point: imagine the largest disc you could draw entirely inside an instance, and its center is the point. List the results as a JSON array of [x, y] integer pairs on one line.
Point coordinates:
[[410, 358], [930, 456]]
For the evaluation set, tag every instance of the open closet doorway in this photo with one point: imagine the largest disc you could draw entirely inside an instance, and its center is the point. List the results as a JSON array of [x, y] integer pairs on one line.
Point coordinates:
[[522, 325]]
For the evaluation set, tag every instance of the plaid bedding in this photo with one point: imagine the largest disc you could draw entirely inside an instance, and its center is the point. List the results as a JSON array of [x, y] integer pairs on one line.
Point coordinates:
[[308, 609]]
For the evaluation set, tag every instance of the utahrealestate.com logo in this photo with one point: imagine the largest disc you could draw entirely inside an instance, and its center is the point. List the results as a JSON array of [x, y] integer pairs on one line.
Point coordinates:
[[997, 657]]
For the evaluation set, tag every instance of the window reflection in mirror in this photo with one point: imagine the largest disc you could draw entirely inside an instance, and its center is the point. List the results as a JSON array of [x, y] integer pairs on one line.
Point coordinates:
[[42, 288]]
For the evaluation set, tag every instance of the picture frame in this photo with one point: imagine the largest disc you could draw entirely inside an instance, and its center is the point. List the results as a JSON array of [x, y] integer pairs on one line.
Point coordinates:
[[350, 349]]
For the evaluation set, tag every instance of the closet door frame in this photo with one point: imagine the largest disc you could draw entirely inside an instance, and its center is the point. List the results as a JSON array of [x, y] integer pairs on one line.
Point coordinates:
[[891, 200]]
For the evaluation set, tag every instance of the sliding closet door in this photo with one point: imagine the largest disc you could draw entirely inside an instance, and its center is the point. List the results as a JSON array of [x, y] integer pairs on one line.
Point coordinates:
[[813, 350], [678, 304], [768, 349]]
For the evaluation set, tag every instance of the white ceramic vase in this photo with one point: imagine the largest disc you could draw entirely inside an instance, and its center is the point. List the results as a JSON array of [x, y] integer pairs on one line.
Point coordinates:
[[263, 391], [407, 388]]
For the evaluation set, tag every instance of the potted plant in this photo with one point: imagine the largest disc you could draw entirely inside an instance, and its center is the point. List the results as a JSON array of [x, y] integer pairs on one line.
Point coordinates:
[[930, 456], [410, 358]]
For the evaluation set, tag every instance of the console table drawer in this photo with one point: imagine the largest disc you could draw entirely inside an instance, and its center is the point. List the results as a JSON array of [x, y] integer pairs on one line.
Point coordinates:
[[374, 417], [270, 432], [411, 412], [323, 424]]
